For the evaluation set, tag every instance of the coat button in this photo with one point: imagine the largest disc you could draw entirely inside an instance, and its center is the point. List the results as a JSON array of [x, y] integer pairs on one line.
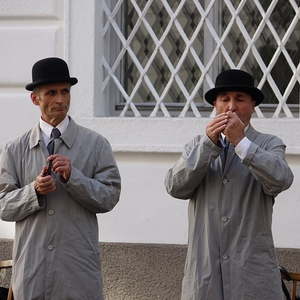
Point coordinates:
[[225, 257], [50, 247], [225, 180], [225, 219], [51, 212]]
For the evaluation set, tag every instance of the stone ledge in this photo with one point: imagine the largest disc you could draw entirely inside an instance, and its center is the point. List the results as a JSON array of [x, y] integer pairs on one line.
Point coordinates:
[[148, 271]]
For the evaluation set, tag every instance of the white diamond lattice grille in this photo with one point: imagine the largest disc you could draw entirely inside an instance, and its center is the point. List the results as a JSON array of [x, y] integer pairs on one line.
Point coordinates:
[[161, 56]]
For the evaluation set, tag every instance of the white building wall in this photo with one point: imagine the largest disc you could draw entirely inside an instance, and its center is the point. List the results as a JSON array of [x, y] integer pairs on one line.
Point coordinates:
[[29, 30], [144, 148]]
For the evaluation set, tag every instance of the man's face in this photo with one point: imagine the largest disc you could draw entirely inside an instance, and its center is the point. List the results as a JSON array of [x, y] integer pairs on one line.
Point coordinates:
[[53, 100], [239, 102]]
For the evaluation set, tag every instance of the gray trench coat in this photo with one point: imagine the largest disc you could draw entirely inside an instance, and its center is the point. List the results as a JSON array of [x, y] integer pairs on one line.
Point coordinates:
[[230, 254], [56, 253]]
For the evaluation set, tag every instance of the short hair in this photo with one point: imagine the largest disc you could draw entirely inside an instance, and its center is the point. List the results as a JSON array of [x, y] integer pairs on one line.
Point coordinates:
[[36, 89]]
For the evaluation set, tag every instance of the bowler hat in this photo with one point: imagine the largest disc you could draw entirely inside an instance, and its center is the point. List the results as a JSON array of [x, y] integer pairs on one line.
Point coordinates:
[[234, 80], [50, 70]]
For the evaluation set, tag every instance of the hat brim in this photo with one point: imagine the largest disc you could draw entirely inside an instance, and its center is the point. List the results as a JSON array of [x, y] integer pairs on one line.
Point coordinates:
[[33, 85], [257, 95]]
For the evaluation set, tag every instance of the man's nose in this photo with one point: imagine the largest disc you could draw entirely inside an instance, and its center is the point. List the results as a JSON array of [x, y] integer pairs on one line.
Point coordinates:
[[59, 97], [232, 105]]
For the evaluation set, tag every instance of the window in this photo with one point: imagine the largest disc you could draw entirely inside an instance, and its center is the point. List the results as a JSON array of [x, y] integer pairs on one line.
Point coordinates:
[[161, 56]]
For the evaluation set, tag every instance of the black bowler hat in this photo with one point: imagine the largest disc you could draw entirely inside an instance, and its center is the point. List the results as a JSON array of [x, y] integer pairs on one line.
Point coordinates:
[[50, 70], [234, 80]]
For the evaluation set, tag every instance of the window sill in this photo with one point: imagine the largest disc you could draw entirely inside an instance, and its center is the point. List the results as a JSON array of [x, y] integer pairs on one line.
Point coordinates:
[[169, 135]]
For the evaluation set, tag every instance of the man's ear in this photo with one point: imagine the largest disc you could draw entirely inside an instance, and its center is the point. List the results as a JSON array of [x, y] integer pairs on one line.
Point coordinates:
[[34, 98]]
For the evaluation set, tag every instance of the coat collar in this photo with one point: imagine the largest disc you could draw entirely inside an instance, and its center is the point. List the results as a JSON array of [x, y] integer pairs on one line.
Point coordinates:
[[251, 133], [70, 134], [68, 137], [35, 136]]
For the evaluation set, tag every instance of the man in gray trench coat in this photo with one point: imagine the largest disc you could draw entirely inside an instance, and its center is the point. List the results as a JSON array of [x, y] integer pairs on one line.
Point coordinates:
[[54, 198], [231, 189]]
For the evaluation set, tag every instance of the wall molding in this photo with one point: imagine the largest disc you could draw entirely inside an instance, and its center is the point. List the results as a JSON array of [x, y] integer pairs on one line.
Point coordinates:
[[171, 134]]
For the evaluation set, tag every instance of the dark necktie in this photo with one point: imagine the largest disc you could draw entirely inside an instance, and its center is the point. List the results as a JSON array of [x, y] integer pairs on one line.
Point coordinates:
[[225, 144], [55, 133], [226, 147]]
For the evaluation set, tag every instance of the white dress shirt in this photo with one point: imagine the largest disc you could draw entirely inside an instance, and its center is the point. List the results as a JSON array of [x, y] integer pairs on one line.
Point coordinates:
[[47, 128]]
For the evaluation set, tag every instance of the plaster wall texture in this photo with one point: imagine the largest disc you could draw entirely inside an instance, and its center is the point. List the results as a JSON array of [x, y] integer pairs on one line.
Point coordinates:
[[31, 8], [144, 148]]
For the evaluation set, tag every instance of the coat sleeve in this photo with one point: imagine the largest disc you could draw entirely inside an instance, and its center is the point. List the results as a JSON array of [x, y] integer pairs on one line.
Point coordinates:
[[188, 172], [16, 202], [100, 193], [268, 165]]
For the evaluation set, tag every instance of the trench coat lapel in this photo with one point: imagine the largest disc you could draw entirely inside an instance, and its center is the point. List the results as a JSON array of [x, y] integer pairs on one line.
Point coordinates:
[[36, 140], [69, 136]]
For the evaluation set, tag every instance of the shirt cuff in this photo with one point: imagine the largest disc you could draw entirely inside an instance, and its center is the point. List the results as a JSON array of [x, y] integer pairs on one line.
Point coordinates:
[[242, 147]]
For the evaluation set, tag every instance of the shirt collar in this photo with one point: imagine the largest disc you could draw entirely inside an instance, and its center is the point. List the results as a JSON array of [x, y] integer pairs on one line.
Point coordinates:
[[47, 128]]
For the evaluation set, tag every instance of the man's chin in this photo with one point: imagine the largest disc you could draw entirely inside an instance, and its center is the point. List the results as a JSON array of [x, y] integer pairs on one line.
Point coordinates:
[[57, 117], [59, 112]]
